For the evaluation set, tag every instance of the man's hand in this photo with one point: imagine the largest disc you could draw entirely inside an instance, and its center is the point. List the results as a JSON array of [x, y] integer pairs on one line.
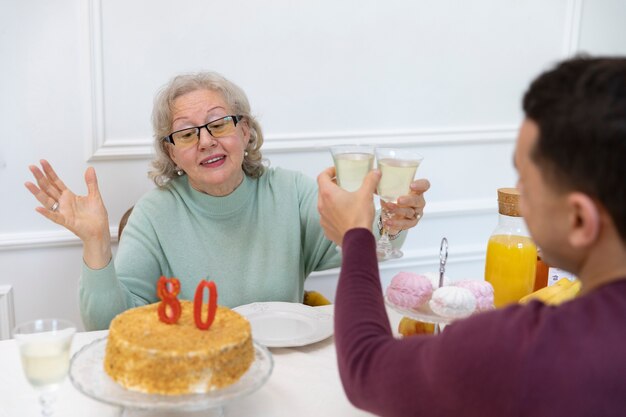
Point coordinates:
[[341, 210]]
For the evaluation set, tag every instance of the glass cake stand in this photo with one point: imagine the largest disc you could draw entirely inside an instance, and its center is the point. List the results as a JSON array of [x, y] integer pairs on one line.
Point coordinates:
[[424, 313], [88, 376]]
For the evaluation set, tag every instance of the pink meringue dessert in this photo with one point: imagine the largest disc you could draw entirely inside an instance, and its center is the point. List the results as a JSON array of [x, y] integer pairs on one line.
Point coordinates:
[[409, 290], [482, 291]]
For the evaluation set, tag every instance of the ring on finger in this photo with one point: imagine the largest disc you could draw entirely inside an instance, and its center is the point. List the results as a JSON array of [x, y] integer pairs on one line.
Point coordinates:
[[55, 206]]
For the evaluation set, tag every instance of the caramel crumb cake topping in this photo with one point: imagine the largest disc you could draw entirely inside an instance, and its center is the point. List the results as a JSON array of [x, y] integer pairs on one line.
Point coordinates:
[[147, 355]]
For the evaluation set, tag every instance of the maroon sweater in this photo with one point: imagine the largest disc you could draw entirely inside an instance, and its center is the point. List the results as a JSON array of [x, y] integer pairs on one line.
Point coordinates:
[[524, 361]]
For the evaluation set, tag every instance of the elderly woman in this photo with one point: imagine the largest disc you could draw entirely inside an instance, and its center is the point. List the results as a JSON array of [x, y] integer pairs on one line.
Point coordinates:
[[217, 213]]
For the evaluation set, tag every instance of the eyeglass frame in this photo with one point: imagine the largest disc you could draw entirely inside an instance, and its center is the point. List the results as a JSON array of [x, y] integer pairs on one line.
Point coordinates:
[[236, 119]]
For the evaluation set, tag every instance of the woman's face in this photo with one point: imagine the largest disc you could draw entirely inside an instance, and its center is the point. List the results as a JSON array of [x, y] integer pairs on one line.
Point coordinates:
[[212, 165]]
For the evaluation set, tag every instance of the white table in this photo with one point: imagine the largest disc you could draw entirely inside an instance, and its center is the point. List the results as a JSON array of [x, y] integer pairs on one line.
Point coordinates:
[[304, 382]]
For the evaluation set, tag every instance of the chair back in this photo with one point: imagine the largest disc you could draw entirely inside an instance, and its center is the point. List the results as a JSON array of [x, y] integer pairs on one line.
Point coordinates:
[[123, 222]]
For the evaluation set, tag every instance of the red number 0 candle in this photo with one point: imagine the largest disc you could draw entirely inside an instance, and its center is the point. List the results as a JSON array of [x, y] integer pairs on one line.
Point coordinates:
[[197, 304], [168, 295]]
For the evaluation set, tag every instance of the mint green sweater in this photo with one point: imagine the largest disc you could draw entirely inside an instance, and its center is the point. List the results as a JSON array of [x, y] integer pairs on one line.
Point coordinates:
[[258, 244]]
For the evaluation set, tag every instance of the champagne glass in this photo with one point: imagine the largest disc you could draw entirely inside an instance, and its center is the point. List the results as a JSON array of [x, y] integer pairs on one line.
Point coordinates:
[[352, 163], [45, 350], [397, 167]]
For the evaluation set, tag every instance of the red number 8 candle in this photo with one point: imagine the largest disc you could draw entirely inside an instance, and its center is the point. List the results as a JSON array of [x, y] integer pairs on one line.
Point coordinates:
[[197, 304], [168, 294]]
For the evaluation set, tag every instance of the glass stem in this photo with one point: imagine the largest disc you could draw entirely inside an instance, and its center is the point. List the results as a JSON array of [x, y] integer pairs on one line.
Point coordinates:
[[46, 400], [384, 247]]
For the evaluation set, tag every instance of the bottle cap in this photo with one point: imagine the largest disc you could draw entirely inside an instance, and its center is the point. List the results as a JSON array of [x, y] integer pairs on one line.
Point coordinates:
[[508, 202]]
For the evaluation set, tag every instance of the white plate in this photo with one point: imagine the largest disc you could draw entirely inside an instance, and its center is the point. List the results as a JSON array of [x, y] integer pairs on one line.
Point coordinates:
[[280, 324]]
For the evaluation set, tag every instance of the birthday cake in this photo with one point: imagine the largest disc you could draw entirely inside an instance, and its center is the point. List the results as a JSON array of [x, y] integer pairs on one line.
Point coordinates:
[[145, 354]]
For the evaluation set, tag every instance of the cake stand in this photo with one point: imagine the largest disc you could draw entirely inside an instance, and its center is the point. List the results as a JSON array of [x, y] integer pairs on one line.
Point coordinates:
[[424, 313], [88, 376]]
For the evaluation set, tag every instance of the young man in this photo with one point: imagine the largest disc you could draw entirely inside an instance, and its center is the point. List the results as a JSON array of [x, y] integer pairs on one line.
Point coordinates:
[[533, 360]]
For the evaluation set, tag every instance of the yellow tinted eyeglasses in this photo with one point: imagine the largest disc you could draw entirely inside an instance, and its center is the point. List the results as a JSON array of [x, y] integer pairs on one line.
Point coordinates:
[[217, 128]]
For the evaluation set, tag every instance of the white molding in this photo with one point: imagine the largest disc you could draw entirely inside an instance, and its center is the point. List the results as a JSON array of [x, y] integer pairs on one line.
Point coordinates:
[[573, 23], [118, 149], [413, 259], [63, 238], [137, 148], [92, 27], [418, 259], [36, 240], [43, 239], [464, 208], [101, 148], [7, 312], [443, 136]]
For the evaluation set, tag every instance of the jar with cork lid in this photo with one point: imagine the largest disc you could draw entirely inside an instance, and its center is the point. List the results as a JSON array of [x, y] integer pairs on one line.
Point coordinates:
[[511, 254]]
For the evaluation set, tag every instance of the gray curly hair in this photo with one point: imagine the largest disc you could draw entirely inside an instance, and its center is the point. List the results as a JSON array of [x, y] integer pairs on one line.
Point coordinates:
[[164, 168]]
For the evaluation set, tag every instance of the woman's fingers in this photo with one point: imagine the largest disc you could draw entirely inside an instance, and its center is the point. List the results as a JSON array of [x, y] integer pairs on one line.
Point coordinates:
[[413, 210], [420, 186], [85, 216], [54, 216], [47, 204], [46, 201], [406, 213], [52, 176], [49, 191], [92, 182], [44, 184]]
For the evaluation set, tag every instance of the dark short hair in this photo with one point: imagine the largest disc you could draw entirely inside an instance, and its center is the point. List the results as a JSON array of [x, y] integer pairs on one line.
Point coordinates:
[[580, 109]]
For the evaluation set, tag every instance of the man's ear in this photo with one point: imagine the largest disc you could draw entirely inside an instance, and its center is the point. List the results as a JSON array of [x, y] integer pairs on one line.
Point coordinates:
[[584, 220]]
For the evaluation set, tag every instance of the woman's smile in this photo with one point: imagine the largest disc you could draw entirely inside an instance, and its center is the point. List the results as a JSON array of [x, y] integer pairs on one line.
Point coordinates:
[[214, 161]]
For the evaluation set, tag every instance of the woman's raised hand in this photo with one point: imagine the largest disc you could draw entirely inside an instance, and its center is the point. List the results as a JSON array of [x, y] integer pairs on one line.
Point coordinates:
[[85, 216]]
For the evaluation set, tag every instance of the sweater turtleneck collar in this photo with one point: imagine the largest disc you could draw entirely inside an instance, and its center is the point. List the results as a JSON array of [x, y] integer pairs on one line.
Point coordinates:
[[216, 206]]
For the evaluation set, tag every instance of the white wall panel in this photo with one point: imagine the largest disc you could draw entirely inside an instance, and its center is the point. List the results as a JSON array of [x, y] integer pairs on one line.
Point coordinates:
[[610, 15], [44, 281], [365, 67], [77, 80]]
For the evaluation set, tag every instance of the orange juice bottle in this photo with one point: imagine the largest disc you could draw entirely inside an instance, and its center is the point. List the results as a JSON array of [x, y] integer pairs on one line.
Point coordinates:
[[511, 254], [541, 275]]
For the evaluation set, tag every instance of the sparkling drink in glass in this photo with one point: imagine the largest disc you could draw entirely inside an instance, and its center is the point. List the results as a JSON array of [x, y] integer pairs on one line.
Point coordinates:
[[352, 163], [397, 167], [44, 346]]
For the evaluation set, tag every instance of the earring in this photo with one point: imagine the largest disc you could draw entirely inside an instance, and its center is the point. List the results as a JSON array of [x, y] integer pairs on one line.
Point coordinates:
[[245, 153], [179, 171]]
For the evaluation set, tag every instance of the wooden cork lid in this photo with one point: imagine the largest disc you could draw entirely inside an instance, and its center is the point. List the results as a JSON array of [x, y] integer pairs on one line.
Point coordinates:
[[508, 202]]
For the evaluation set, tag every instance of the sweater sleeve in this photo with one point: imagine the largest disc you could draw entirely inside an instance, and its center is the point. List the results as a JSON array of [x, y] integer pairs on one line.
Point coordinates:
[[101, 296], [421, 375], [127, 281], [319, 252]]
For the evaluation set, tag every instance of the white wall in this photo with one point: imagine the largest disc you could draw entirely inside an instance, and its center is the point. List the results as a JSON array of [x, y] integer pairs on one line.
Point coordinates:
[[77, 78]]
